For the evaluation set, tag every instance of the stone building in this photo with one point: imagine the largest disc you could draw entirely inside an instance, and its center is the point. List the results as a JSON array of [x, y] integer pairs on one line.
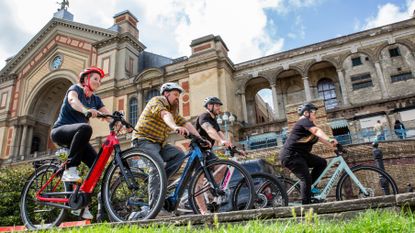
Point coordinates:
[[361, 78]]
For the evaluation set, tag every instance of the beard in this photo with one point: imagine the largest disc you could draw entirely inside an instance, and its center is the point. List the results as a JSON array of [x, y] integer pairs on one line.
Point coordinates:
[[175, 107]]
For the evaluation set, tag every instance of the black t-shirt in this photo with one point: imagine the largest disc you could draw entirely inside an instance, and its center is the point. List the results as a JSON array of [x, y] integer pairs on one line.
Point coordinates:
[[301, 139], [206, 117]]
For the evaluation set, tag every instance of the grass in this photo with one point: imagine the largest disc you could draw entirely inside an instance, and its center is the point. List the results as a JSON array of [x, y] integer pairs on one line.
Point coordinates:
[[369, 221]]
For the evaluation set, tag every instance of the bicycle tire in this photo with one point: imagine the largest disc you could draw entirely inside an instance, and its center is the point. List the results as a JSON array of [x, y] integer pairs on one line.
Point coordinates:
[[293, 190], [36, 216], [269, 190], [225, 202], [119, 199], [375, 180]]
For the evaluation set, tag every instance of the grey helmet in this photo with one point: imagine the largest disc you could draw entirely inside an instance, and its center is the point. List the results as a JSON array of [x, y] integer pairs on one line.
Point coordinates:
[[305, 107], [211, 100], [170, 87]]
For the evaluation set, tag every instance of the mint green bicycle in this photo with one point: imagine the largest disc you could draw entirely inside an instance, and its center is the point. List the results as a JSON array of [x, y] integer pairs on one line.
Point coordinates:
[[361, 181]]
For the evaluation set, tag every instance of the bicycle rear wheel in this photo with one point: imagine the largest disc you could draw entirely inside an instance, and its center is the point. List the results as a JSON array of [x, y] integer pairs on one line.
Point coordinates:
[[269, 191], [36, 215], [204, 199], [376, 181], [124, 203]]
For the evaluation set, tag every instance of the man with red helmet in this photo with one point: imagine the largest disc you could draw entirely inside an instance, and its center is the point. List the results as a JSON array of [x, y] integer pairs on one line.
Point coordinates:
[[72, 128]]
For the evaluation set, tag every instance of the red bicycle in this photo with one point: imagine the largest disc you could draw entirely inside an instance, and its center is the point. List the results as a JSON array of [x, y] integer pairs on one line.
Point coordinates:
[[45, 198]]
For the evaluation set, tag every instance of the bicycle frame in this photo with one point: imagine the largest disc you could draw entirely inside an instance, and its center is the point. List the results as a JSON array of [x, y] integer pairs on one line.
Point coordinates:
[[194, 154], [88, 185], [334, 178], [93, 176]]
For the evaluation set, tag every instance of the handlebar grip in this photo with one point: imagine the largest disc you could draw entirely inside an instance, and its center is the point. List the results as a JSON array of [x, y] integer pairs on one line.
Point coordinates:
[[88, 114]]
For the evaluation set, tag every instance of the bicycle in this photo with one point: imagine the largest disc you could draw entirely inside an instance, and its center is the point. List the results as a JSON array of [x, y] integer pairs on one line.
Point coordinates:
[[212, 185], [268, 189], [45, 197], [360, 181]]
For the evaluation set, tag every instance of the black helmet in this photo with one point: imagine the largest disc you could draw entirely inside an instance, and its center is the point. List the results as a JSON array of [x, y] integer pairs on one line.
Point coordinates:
[[305, 107], [211, 100]]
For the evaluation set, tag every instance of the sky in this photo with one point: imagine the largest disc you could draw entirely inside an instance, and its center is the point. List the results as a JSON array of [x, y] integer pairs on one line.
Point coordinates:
[[250, 28]]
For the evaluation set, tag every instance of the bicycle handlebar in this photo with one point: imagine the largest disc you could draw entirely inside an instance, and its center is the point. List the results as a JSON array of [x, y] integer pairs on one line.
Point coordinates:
[[116, 116], [340, 150]]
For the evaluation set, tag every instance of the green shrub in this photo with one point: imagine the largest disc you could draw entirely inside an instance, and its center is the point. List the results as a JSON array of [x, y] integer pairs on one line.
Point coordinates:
[[12, 180]]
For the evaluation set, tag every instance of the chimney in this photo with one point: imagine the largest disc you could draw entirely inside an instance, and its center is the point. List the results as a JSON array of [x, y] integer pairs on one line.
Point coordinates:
[[126, 22], [209, 43]]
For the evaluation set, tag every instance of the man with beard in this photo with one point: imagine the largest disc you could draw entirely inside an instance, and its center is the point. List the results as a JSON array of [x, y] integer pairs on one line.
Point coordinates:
[[159, 117]]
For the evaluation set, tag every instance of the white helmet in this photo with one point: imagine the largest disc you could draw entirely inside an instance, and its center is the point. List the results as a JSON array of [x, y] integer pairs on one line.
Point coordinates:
[[170, 87]]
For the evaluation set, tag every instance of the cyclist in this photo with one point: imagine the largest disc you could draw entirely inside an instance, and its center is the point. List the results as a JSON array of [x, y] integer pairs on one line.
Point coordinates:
[[208, 128], [295, 154], [206, 123], [159, 117], [72, 128]]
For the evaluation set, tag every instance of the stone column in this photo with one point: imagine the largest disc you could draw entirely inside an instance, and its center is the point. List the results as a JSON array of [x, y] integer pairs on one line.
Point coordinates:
[[139, 101], [23, 142], [307, 89], [382, 82], [244, 111], [15, 143], [29, 140], [343, 88], [275, 101]]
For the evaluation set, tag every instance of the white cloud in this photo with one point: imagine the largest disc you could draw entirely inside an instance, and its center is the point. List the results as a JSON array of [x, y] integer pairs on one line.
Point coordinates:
[[390, 13], [167, 27]]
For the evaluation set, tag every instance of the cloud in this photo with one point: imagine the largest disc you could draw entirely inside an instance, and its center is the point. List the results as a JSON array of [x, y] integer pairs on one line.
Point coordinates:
[[244, 30], [167, 27], [390, 13]]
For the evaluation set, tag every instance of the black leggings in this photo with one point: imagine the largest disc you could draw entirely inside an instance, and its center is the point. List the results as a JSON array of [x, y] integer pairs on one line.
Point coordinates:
[[299, 164], [76, 137]]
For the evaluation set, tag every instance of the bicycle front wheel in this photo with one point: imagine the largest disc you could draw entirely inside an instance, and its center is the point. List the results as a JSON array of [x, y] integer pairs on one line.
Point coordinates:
[[227, 175], [35, 214], [375, 181], [126, 203]]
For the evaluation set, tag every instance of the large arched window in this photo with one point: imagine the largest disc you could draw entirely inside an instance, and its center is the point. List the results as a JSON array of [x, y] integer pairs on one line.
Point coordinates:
[[327, 91], [133, 110], [151, 94]]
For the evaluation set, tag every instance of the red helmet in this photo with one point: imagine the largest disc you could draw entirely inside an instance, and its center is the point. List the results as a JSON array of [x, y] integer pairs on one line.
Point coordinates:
[[90, 70]]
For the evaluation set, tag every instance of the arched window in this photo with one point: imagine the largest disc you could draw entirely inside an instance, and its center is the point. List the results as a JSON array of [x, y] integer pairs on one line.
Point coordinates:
[[151, 94], [133, 110], [327, 91]]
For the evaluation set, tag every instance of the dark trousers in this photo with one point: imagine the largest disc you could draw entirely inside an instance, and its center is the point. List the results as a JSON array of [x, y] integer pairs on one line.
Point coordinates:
[[299, 164], [76, 137], [169, 156]]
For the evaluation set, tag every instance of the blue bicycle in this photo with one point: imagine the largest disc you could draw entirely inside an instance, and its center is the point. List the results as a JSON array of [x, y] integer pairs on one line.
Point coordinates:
[[213, 183]]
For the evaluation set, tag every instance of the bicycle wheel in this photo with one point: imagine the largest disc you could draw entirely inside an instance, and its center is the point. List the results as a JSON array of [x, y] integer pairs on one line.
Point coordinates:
[[293, 190], [35, 214], [204, 199], [269, 191], [376, 181], [124, 203]]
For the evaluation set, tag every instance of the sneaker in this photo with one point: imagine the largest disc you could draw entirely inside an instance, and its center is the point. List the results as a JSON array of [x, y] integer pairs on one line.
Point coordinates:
[[315, 191], [71, 175], [86, 215], [145, 210]]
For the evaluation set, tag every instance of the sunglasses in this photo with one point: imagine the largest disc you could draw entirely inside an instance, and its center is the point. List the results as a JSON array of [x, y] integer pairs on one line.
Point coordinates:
[[313, 110]]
